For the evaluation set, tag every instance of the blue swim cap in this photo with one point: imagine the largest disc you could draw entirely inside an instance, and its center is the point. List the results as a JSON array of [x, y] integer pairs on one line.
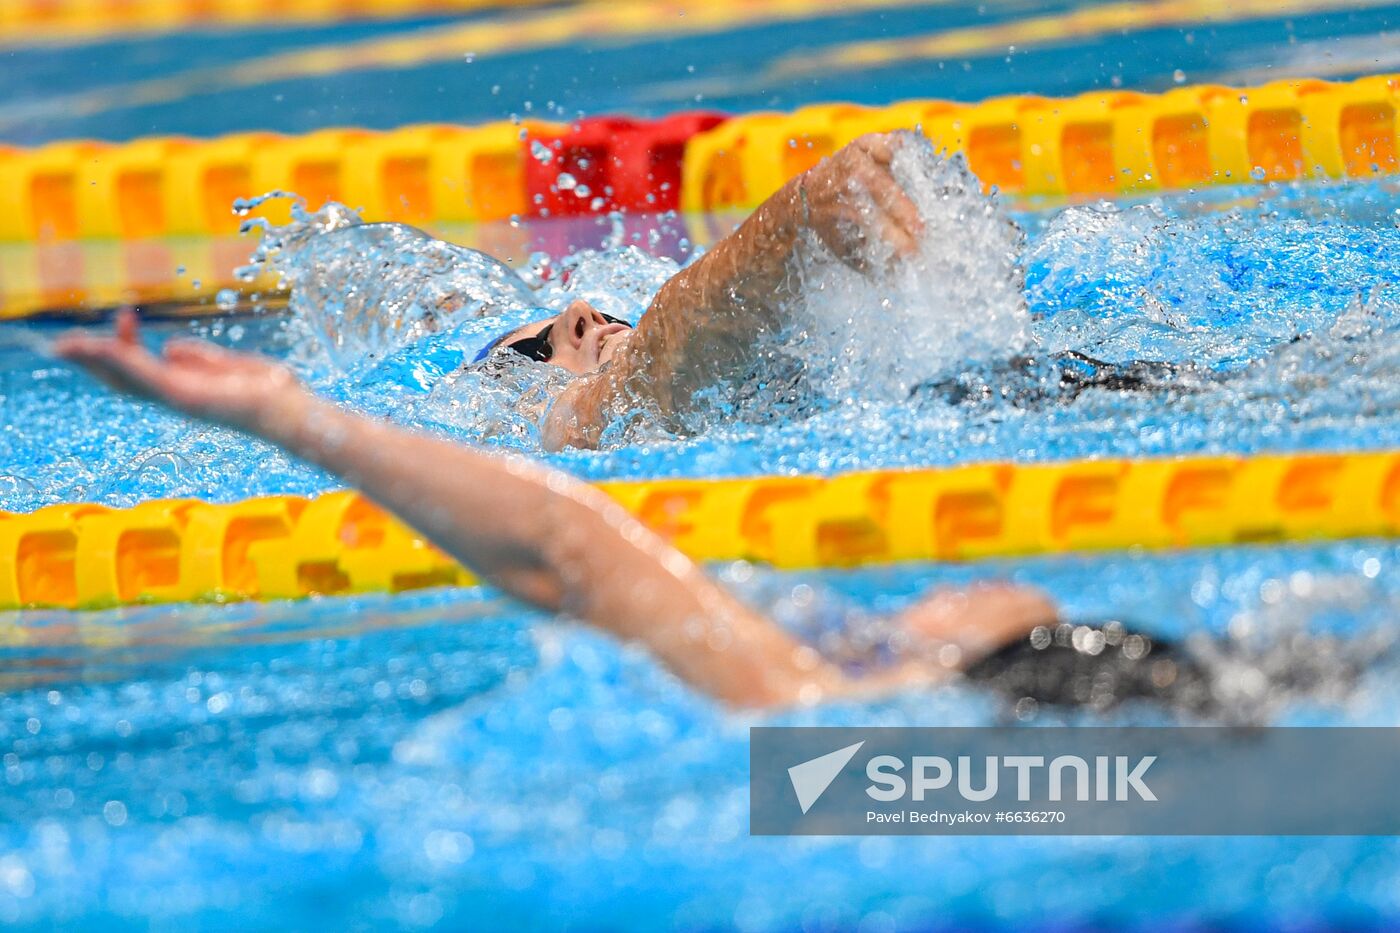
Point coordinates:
[[485, 351]]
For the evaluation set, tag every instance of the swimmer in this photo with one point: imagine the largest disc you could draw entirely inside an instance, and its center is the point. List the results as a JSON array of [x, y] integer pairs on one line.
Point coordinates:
[[562, 546], [705, 325]]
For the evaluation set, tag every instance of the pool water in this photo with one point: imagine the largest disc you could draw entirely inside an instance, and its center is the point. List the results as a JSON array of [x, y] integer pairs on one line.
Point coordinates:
[[446, 758], [295, 78], [1277, 306], [440, 757]]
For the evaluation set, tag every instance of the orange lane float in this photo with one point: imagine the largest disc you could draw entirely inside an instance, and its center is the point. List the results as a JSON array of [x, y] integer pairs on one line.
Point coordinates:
[[1100, 143], [281, 547], [1095, 144]]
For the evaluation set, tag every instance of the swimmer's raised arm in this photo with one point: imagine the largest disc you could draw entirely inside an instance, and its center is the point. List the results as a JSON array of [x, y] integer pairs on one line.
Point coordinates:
[[706, 323], [536, 533]]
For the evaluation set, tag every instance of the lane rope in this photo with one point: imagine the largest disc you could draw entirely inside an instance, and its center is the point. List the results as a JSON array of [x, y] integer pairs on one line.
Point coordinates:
[[1096, 144], [31, 22], [1103, 143], [285, 547]]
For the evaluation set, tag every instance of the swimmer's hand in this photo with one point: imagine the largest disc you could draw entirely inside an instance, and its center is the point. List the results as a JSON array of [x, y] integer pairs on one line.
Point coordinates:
[[853, 198], [239, 390], [950, 631], [976, 621]]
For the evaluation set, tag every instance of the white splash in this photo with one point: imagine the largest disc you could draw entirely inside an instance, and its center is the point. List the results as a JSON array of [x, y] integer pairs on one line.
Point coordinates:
[[958, 300]]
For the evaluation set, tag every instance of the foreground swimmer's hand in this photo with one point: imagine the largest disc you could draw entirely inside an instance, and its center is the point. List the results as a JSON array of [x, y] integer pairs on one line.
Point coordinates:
[[978, 620], [950, 631], [193, 376]]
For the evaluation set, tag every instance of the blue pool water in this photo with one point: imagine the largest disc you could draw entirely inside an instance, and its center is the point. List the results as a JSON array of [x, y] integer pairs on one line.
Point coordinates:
[[209, 82], [445, 758], [1281, 300], [439, 757]]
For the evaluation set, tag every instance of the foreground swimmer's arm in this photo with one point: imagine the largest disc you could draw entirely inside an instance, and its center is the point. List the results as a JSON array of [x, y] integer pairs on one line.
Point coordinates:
[[707, 323], [540, 535]]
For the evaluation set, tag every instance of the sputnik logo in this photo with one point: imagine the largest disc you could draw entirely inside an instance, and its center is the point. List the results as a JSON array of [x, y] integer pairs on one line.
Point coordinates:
[[811, 778]]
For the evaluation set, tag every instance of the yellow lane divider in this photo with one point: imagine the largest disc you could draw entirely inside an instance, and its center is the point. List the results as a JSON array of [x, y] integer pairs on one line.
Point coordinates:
[[28, 22], [85, 556], [173, 186], [1100, 143]]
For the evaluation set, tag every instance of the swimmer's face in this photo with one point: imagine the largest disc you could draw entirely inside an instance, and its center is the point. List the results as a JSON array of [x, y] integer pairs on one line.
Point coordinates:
[[580, 338]]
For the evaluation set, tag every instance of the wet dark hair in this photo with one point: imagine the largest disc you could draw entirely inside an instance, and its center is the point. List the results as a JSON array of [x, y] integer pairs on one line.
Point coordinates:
[[1095, 666]]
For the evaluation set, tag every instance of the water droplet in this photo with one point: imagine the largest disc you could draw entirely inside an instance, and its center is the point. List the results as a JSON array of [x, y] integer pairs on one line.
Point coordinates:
[[1179, 76], [566, 182], [114, 812], [226, 299], [540, 152]]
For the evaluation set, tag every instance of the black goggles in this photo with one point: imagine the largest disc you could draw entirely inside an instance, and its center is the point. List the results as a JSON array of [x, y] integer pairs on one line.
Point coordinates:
[[538, 347]]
